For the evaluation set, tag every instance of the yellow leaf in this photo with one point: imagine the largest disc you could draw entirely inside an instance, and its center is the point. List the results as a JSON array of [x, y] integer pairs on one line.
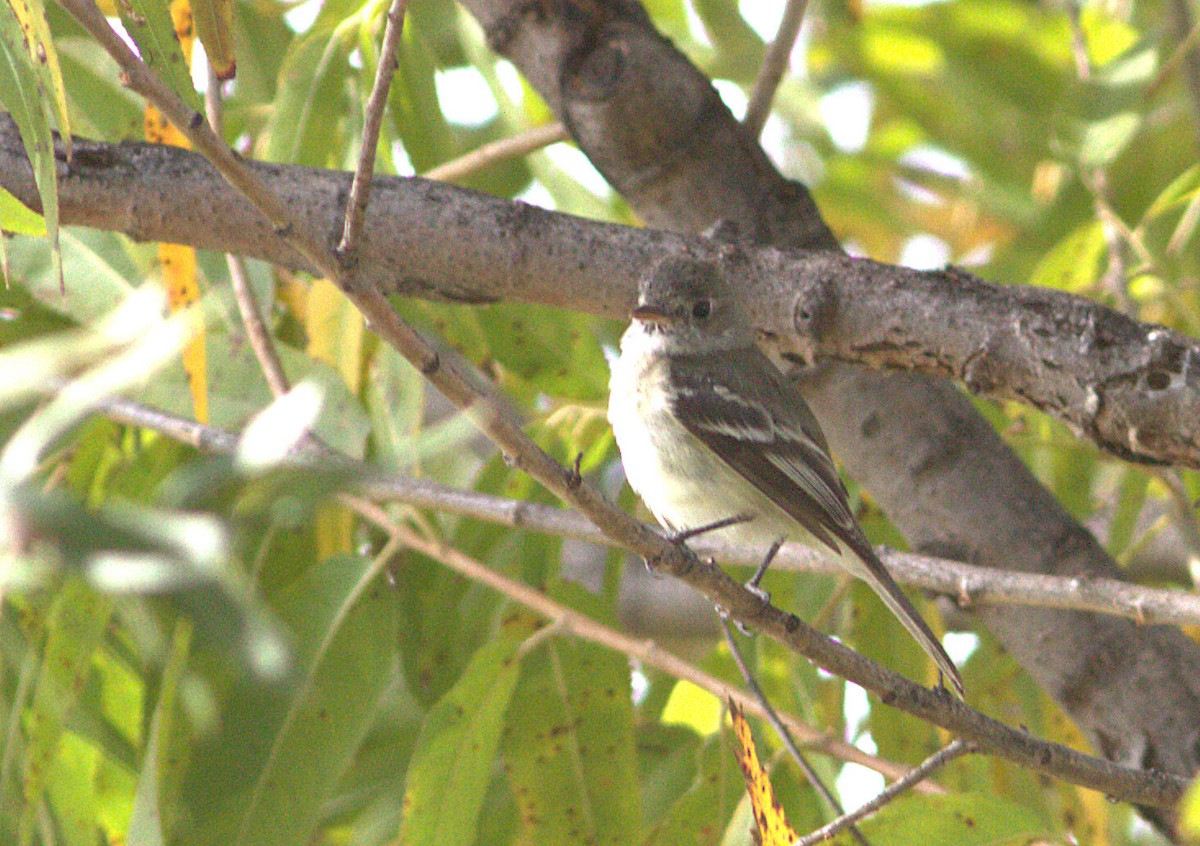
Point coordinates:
[[335, 331], [335, 530], [181, 19], [214, 25], [183, 290], [773, 828]]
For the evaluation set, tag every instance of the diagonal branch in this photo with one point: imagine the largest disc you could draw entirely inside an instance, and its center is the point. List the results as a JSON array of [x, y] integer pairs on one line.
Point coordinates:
[[1144, 787]]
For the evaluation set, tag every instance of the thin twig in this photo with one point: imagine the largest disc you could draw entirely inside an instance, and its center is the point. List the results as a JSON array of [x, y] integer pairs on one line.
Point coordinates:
[[213, 104], [568, 621], [1083, 65], [360, 188], [943, 756], [243, 294], [772, 717], [141, 79], [968, 584], [515, 146], [256, 329], [774, 63]]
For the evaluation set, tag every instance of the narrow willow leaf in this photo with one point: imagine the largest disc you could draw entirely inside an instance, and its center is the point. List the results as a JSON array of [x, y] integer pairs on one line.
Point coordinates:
[[964, 819], [214, 25], [160, 773], [32, 17], [569, 747], [149, 24], [74, 629], [23, 96], [452, 764], [281, 749], [701, 812], [15, 217]]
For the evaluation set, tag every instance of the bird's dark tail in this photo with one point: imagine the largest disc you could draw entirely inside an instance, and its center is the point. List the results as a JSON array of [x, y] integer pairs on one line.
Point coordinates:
[[865, 564]]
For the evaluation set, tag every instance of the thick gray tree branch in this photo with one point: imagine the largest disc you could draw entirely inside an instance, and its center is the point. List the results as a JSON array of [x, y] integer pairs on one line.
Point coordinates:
[[1132, 388]]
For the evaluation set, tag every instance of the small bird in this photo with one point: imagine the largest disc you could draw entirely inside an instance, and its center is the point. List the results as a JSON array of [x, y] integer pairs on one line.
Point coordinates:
[[709, 429]]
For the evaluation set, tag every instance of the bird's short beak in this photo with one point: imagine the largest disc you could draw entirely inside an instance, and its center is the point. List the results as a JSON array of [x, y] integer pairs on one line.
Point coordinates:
[[651, 313]]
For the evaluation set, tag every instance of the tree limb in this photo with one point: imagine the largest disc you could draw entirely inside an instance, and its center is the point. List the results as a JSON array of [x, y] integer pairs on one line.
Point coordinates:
[[1132, 388]]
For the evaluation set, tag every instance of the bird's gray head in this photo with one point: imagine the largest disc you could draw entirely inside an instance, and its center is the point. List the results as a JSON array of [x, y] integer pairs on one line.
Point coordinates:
[[685, 304]]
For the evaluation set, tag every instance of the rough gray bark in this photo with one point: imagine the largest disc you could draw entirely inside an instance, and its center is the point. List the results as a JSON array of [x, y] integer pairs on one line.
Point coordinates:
[[1130, 387]]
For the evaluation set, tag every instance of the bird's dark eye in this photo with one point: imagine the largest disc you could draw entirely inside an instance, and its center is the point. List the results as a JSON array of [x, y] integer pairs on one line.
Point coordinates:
[[702, 308]]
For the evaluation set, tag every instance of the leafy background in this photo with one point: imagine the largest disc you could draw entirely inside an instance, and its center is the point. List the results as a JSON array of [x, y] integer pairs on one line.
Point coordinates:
[[196, 651]]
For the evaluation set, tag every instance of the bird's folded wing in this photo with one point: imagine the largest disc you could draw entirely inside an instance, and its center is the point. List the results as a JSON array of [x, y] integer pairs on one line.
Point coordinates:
[[757, 431]]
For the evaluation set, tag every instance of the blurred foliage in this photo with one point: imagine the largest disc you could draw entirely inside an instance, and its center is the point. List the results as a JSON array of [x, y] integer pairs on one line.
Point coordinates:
[[211, 649]]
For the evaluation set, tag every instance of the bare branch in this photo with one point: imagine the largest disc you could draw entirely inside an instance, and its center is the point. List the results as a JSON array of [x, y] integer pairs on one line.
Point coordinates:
[[521, 144], [939, 759], [360, 188], [967, 584], [774, 63]]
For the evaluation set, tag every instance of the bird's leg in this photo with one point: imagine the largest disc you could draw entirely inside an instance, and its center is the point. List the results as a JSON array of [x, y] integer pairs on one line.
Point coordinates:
[[752, 585], [685, 535]]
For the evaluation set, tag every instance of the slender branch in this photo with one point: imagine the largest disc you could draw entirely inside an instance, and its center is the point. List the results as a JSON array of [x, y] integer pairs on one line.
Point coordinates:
[[969, 585], [772, 717], [257, 333], [1151, 788], [360, 188], [954, 749], [774, 63], [515, 146], [141, 79], [243, 293], [565, 620]]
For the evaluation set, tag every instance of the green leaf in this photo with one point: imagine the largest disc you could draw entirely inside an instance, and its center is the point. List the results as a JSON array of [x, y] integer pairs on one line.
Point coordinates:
[[1105, 139], [1184, 189], [23, 95], [451, 766], [72, 791], [149, 24], [17, 218], [214, 27], [307, 118], [701, 813], [106, 265], [1073, 264], [160, 773], [964, 819], [32, 16], [265, 777], [413, 108], [569, 747], [74, 630]]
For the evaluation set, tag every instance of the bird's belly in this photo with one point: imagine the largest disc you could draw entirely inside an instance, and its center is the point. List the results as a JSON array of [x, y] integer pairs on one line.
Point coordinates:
[[686, 486]]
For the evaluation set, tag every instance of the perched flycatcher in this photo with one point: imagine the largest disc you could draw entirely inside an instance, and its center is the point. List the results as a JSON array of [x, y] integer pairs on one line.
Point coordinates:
[[709, 429]]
